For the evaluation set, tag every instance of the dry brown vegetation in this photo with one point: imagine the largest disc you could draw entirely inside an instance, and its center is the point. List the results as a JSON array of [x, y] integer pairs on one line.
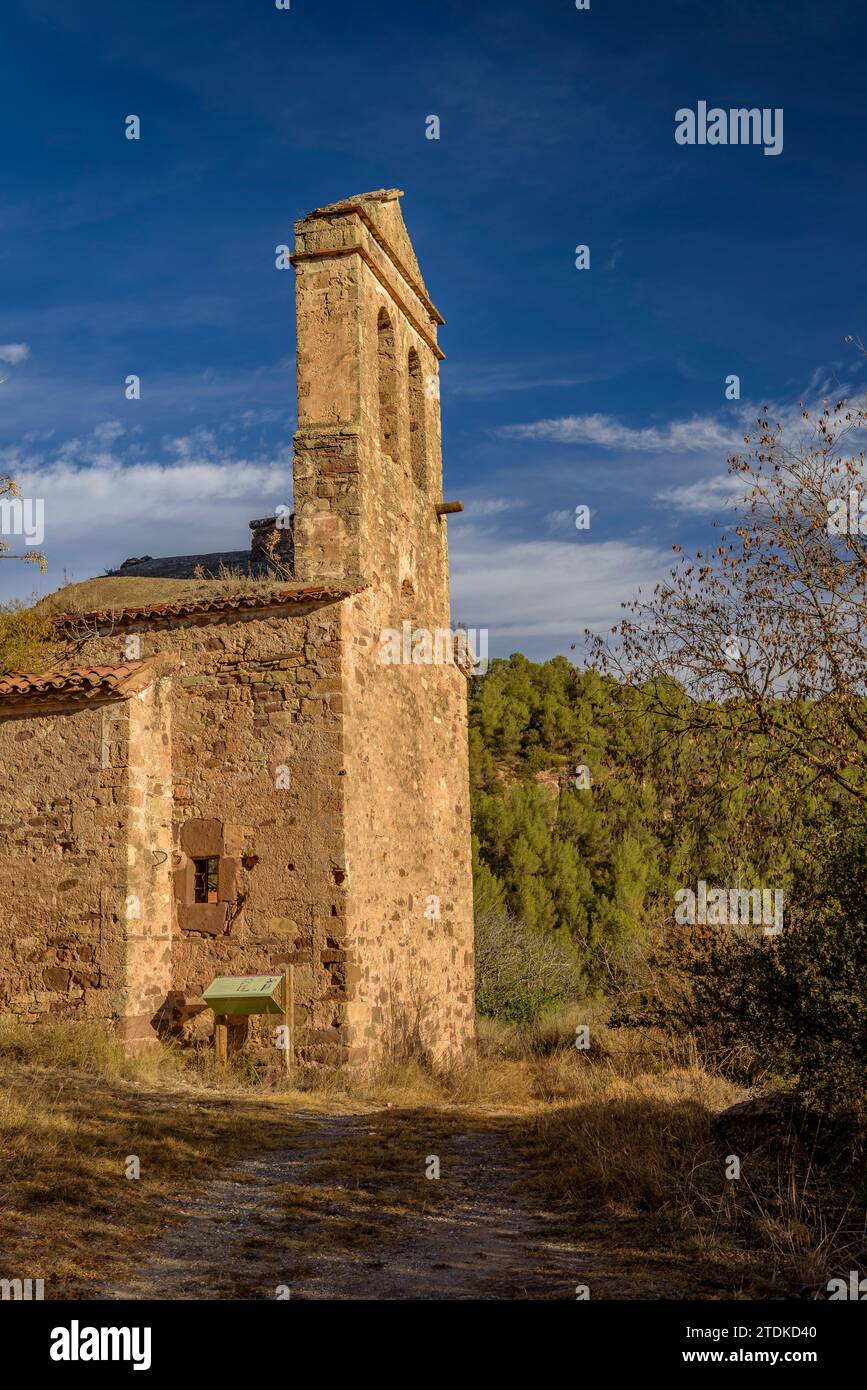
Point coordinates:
[[116, 592], [616, 1147], [72, 1109], [28, 639]]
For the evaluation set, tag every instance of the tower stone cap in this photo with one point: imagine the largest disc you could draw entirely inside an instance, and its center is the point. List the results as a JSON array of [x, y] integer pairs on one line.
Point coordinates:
[[380, 212], [381, 195]]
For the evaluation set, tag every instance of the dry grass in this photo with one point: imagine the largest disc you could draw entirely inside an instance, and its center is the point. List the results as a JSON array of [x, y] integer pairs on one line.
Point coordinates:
[[85, 1047], [619, 1139], [116, 592], [617, 1143], [27, 638], [73, 1107], [622, 1138]]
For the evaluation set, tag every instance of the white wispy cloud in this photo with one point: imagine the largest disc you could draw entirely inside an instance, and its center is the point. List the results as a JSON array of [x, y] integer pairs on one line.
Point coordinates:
[[540, 595], [503, 378], [707, 496], [492, 506], [104, 502], [700, 433], [706, 433], [13, 353]]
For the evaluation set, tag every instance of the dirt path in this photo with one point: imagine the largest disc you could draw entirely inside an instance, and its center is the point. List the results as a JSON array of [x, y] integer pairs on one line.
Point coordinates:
[[312, 1220]]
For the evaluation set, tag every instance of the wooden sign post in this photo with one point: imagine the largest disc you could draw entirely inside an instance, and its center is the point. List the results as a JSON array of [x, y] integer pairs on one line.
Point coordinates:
[[288, 1002], [221, 1038], [243, 995]]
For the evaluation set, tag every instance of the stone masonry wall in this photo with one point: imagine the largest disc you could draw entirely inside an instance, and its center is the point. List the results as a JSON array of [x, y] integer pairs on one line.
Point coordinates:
[[408, 836], [368, 476], [330, 788], [149, 915], [258, 779], [360, 509], [63, 853]]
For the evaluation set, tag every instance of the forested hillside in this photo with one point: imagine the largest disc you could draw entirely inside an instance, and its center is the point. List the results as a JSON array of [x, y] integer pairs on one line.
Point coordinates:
[[597, 866]]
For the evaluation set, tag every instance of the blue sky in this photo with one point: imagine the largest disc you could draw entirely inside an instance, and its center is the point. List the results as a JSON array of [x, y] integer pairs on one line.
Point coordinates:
[[562, 387]]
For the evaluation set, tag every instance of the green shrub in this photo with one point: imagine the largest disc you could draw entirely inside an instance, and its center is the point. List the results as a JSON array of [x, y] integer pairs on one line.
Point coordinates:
[[514, 1003]]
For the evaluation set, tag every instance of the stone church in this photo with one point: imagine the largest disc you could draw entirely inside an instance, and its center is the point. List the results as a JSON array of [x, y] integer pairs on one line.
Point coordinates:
[[222, 776]]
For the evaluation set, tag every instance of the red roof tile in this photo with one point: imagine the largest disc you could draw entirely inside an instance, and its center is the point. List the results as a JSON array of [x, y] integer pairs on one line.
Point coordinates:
[[224, 604], [86, 681]]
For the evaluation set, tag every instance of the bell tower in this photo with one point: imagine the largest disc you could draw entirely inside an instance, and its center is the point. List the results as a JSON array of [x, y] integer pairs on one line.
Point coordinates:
[[368, 450], [368, 486]]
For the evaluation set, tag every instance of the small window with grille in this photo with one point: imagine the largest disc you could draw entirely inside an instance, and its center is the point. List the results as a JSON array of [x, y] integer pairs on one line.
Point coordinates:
[[205, 880]]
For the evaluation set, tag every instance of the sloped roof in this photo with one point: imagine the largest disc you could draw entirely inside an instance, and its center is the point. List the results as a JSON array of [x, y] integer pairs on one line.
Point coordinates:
[[79, 683], [227, 603], [124, 598], [239, 562]]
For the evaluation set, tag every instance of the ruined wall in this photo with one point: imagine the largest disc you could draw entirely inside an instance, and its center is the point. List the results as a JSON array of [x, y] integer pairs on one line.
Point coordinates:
[[76, 789], [325, 792], [257, 774]]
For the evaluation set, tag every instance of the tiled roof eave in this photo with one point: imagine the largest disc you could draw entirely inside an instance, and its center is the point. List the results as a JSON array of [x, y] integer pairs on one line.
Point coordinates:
[[184, 608], [79, 685]]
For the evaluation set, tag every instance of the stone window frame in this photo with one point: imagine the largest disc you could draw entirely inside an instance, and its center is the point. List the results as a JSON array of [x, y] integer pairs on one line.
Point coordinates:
[[204, 838]]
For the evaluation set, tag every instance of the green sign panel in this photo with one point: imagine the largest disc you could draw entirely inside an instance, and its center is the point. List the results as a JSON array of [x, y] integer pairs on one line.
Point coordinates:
[[245, 994]]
